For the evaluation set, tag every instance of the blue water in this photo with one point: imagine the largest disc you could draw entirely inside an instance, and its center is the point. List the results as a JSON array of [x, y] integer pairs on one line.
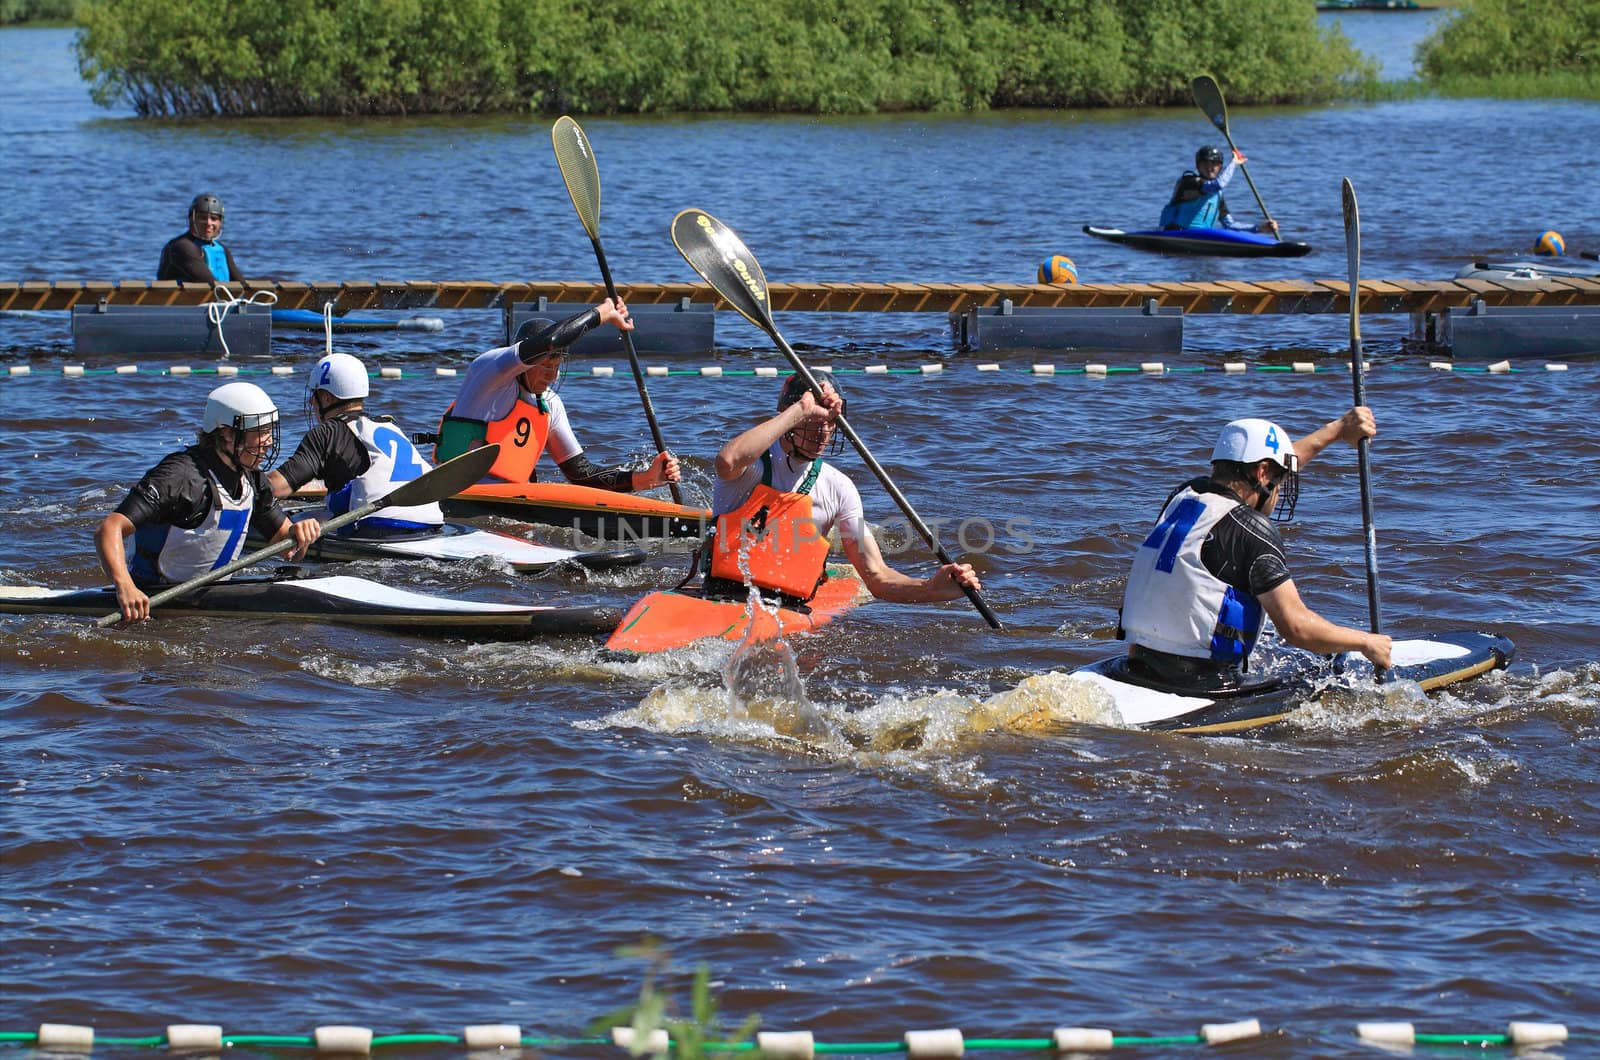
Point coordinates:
[[905, 821]]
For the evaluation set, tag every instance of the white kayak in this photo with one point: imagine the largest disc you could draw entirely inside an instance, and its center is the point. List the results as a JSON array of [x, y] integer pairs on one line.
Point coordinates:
[[1531, 269], [1436, 662], [458, 541], [339, 599]]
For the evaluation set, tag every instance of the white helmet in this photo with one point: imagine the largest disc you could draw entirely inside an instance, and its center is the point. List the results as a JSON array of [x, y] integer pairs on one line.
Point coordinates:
[[341, 375], [242, 406], [1246, 441]]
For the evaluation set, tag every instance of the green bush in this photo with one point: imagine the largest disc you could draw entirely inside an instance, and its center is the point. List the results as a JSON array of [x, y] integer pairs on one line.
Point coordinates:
[[14, 11], [1515, 48], [339, 57]]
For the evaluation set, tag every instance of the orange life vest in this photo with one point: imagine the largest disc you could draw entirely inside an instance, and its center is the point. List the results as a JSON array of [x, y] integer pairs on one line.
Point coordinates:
[[785, 552], [521, 434]]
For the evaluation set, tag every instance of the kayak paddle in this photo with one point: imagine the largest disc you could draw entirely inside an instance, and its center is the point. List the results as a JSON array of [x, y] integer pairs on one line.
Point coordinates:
[[446, 480], [718, 254], [1352, 245], [582, 175], [1208, 97]]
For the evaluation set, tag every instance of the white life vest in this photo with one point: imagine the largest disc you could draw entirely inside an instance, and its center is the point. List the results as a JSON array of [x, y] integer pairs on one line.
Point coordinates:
[[1172, 603], [395, 461], [166, 553]]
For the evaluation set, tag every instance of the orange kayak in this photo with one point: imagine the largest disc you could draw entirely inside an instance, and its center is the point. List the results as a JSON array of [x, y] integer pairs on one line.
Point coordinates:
[[672, 619], [595, 512]]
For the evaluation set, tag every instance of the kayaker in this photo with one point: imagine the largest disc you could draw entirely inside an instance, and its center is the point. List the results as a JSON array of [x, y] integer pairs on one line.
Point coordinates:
[[1197, 196], [1203, 578], [508, 396], [774, 488], [188, 514], [196, 256], [358, 457]]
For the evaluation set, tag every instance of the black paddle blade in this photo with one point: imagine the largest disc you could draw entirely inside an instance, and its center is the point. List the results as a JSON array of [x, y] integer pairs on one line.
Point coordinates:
[[1208, 97], [446, 480], [1352, 247], [579, 170], [717, 253]]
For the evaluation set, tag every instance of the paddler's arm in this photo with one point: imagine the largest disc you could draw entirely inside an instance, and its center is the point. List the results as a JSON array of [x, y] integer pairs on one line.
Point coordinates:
[[886, 583], [1304, 628], [1349, 428], [623, 478], [108, 540], [566, 332], [746, 449]]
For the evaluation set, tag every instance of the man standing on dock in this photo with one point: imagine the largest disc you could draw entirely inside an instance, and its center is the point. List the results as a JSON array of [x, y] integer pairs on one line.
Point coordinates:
[[196, 256]]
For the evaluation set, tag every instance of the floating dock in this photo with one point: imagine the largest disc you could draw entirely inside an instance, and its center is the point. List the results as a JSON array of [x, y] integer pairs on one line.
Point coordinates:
[[1261, 297]]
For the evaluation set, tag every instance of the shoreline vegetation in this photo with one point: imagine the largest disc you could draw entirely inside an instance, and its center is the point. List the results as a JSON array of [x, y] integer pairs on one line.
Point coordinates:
[[281, 58]]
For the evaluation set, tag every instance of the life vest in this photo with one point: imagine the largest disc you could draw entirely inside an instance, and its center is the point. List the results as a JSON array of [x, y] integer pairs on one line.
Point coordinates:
[[165, 553], [521, 434], [1173, 604], [1202, 211], [216, 260], [394, 461], [777, 536]]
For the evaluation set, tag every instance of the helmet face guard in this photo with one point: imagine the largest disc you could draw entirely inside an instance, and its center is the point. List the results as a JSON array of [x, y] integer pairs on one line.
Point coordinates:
[[246, 423], [1288, 491], [816, 439]]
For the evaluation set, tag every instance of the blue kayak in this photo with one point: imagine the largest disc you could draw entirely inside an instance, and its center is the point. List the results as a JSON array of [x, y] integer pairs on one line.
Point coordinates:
[[1219, 242], [311, 320]]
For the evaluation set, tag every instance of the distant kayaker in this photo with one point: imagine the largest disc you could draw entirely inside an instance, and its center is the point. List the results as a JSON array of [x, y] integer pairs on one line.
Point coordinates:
[[358, 457], [189, 513], [1214, 564], [508, 396], [776, 500], [1197, 196], [196, 256]]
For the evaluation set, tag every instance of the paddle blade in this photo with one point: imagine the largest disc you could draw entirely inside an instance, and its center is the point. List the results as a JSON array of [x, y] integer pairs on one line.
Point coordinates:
[[1208, 97], [579, 170], [1352, 229], [446, 480], [717, 253]]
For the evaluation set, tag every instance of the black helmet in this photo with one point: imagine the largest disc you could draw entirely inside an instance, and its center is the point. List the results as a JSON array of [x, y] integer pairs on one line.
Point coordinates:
[[794, 388], [205, 203], [1208, 153]]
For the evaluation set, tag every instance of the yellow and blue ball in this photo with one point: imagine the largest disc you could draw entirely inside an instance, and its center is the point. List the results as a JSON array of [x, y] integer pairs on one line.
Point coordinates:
[[1058, 269], [1550, 244]]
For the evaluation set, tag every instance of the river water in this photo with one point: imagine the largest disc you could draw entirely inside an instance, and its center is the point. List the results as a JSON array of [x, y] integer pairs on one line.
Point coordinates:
[[906, 821]]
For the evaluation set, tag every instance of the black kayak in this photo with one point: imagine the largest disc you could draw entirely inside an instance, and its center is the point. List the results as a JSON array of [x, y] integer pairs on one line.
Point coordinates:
[[1438, 661], [1217, 242], [340, 599]]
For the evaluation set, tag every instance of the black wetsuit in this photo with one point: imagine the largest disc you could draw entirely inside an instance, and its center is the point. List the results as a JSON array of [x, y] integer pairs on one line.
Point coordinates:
[[183, 259], [329, 451], [1243, 550], [178, 492]]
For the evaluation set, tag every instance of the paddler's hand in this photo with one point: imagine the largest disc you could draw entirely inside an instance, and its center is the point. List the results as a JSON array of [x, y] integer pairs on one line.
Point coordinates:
[[957, 577], [614, 312], [662, 470], [305, 532], [1377, 647], [1269, 225], [1357, 424], [1238, 156], [828, 409], [132, 602]]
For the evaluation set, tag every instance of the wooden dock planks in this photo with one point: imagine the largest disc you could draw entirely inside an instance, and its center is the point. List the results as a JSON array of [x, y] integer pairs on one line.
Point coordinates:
[[1229, 296]]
